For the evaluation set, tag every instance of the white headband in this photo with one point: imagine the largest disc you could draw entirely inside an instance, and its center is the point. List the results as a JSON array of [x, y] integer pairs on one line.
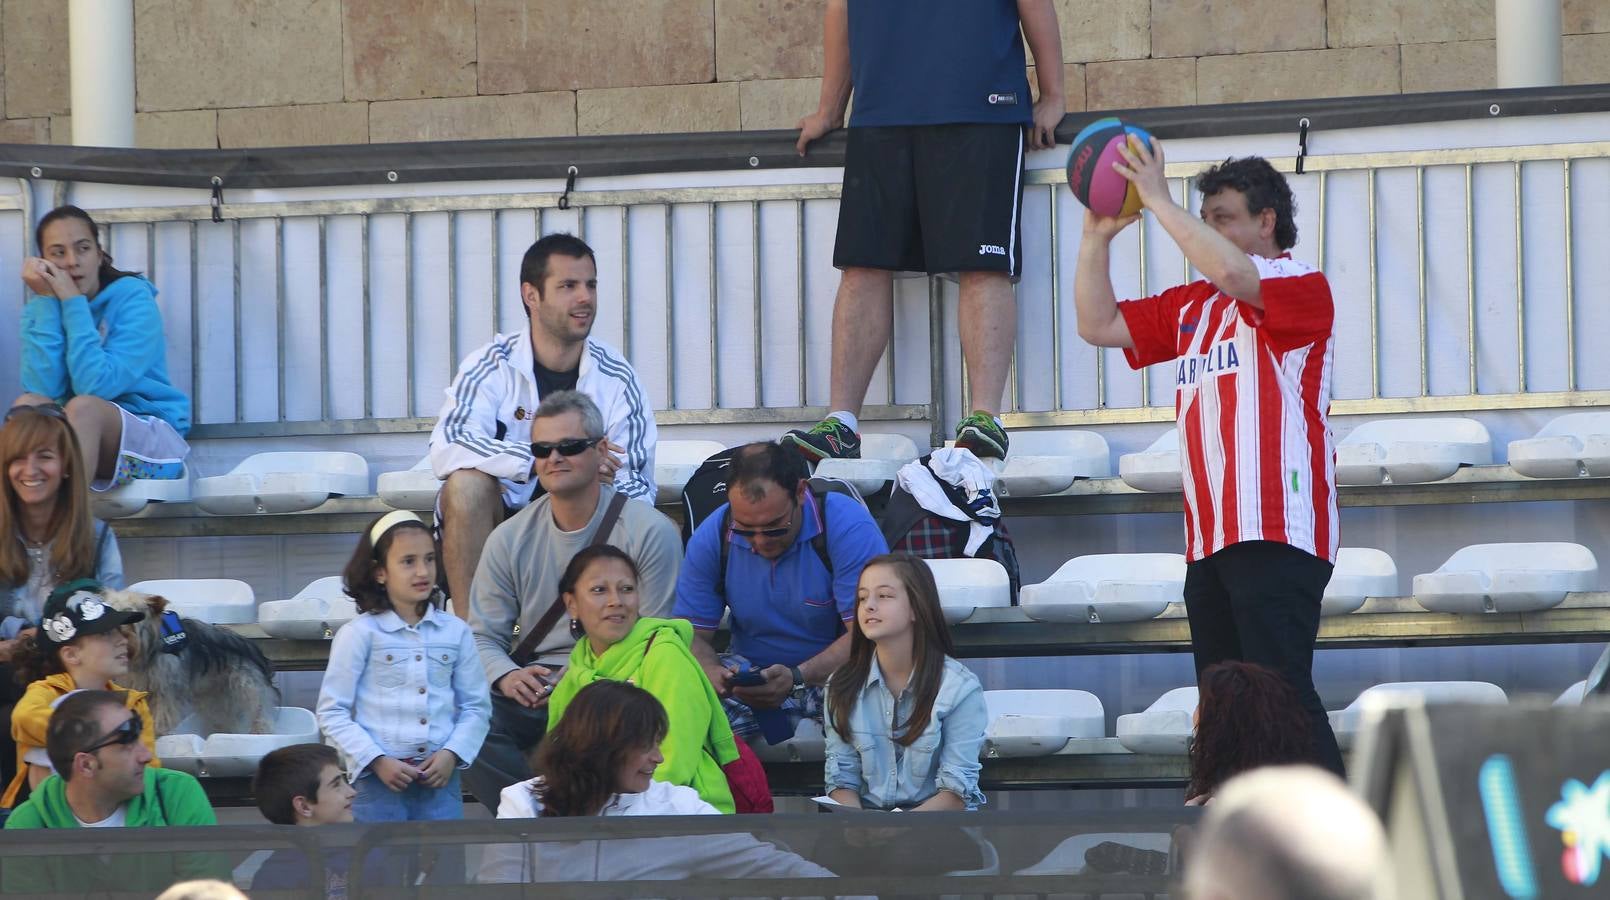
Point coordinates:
[[389, 521]]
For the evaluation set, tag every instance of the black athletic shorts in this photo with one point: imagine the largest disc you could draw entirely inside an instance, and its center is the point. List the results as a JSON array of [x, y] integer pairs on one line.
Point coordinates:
[[932, 198]]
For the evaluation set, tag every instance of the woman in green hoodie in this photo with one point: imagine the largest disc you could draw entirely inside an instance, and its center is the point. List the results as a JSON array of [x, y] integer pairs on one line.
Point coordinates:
[[599, 589]]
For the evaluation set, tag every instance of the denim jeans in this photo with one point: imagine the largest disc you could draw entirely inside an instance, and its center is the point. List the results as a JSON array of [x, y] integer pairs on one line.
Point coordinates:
[[416, 803]]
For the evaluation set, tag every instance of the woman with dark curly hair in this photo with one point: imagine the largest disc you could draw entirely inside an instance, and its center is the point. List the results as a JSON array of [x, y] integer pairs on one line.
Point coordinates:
[[1247, 717]]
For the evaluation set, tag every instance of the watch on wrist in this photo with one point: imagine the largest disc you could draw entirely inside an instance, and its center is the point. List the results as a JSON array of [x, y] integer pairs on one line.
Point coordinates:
[[799, 677]]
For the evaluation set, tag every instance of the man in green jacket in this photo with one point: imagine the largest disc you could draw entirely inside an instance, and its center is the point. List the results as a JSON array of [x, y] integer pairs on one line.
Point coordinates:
[[103, 780]]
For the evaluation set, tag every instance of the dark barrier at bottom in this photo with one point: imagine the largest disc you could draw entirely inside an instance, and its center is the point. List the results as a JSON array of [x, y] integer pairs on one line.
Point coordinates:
[[1130, 854]]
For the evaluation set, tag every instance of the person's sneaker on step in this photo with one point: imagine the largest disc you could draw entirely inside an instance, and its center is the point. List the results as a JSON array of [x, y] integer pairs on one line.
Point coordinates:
[[983, 435], [830, 438]]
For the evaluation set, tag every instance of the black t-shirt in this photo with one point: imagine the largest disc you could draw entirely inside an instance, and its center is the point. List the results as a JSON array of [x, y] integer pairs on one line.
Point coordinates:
[[549, 381]]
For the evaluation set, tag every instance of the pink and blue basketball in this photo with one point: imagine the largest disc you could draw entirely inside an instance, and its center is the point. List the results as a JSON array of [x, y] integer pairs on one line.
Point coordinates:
[[1090, 172]]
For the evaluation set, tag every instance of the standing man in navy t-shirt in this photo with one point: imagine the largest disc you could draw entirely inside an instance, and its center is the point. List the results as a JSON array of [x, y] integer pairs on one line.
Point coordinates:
[[933, 182]]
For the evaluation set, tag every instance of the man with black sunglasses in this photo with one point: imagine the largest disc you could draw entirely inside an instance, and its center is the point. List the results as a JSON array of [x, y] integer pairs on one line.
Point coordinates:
[[785, 561], [104, 780], [514, 608]]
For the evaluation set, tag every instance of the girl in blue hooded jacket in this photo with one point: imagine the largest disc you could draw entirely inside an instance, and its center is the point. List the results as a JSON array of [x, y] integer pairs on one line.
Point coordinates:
[[92, 341]]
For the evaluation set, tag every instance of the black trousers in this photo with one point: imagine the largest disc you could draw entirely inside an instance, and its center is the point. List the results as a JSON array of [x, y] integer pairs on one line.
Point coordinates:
[[515, 731], [1258, 602]]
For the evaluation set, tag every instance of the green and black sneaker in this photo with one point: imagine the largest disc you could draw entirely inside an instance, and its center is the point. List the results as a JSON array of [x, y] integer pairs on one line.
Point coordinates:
[[984, 436], [827, 439]]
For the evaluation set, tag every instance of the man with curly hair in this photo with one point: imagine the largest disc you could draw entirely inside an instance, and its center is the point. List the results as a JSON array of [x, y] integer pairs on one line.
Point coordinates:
[[1252, 343]]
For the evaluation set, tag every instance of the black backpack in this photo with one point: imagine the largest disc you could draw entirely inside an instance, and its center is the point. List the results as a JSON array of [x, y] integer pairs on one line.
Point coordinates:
[[706, 491]]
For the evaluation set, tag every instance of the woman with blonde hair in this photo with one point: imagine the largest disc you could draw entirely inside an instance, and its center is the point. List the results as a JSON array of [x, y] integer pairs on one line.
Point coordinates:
[[47, 537]]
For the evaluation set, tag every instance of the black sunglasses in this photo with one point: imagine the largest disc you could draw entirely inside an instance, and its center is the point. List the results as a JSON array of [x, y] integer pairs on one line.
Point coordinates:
[[780, 531], [126, 733], [54, 410], [572, 447]]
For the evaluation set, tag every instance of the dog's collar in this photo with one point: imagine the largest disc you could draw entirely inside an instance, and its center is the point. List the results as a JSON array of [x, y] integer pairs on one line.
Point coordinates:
[[174, 638]]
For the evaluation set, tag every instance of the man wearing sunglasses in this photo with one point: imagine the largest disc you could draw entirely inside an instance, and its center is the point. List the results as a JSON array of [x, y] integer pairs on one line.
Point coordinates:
[[788, 573], [481, 446], [103, 780], [522, 638]]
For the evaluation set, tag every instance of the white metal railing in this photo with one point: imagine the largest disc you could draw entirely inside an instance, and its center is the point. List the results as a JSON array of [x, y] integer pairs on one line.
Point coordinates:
[[724, 295]]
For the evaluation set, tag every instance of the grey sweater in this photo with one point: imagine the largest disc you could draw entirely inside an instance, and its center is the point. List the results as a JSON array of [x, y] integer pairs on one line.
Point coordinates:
[[518, 578]]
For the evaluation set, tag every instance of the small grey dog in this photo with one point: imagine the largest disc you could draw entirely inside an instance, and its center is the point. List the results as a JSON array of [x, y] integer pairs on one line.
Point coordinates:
[[215, 673]]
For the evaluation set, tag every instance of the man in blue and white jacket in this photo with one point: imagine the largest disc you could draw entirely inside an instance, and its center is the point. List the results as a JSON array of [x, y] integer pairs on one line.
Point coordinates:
[[481, 446]]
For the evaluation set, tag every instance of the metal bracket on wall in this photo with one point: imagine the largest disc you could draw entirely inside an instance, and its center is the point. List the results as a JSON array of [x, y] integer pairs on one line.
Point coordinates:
[[217, 199], [570, 185], [1302, 143]]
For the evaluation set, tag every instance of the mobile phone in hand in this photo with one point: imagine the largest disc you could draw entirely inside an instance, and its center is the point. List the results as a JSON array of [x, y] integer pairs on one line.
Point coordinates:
[[749, 678]]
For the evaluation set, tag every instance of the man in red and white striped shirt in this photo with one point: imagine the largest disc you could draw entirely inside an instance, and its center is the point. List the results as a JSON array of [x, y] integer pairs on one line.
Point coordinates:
[[1252, 344]]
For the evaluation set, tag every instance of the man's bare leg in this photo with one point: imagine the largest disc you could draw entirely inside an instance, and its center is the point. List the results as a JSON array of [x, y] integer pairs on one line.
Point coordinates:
[[863, 321], [988, 322], [472, 505]]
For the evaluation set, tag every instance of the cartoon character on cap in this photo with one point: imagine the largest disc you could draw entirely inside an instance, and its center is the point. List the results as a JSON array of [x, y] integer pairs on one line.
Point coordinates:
[[77, 608]]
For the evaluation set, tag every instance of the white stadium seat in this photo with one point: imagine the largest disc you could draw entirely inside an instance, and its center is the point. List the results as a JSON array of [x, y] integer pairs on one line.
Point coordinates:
[[1411, 450], [233, 755], [132, 497], [675, 462], [882, 455], [1107, 587], [1360, 573], [1165, 726], [808, 744], [316, 613], [1048, 462], [412, 489], [1507, 578], [966, 585], [282, 482], [1040, 723], [1346, 722], [1157, 468], [1573, 695], [1575, 444], [218, 601]]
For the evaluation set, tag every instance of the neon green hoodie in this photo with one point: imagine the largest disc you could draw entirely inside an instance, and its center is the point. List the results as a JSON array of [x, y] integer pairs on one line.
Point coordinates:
[[700, 741]]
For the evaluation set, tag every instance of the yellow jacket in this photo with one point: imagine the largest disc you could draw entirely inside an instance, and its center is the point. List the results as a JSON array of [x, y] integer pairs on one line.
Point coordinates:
[[31, 717]]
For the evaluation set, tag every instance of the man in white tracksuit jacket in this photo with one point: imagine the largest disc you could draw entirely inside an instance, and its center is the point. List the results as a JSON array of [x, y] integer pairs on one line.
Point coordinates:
[[481, 445]]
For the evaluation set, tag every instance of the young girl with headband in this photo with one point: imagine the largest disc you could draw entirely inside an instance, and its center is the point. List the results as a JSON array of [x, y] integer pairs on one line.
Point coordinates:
[[404, 696]]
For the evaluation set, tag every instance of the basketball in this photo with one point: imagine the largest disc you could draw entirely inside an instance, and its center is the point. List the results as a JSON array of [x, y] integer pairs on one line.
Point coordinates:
[[1090, 173]]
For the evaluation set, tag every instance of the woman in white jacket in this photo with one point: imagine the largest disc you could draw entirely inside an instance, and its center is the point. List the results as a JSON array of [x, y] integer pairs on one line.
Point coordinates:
[[600, 761]]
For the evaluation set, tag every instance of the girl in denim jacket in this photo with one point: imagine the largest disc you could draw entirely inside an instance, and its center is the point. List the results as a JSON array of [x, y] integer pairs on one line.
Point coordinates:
[[404, 696], [905, 720]]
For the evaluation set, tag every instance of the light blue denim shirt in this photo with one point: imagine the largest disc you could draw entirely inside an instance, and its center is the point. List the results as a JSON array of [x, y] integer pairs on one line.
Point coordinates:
[[885, 774], [404, 691]]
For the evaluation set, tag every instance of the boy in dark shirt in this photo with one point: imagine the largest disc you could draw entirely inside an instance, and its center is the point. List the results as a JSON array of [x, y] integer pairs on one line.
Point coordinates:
[[304, 785]]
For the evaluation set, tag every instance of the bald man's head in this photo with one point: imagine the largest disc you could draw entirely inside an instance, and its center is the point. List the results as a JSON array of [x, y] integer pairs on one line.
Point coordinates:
[[1288, 833]]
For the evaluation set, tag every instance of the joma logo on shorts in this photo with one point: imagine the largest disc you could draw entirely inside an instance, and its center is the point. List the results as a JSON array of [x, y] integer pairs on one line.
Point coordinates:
[[991, 250]]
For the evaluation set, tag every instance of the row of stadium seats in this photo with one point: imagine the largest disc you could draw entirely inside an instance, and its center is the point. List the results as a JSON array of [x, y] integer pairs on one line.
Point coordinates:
[[1385, 451], [1418, 450], [1029, 723], [1108, 587], [1023, 723]]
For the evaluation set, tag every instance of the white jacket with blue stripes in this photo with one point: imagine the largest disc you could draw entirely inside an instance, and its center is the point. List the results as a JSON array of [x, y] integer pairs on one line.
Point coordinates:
[[485, 423]]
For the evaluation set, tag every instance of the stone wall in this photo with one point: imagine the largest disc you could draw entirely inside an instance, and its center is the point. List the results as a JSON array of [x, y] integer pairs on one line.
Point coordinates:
[[238, 73]]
